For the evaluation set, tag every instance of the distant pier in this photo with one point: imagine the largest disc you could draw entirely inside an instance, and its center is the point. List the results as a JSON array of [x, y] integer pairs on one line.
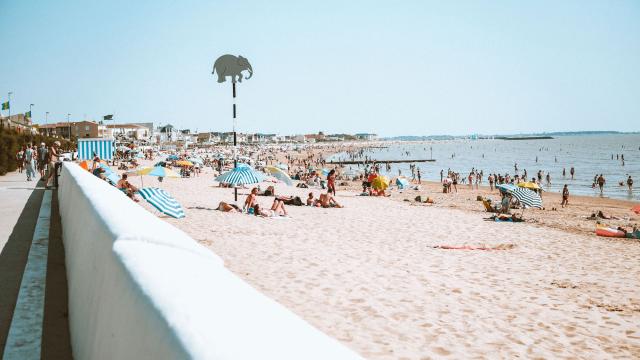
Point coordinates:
[[354, 162]]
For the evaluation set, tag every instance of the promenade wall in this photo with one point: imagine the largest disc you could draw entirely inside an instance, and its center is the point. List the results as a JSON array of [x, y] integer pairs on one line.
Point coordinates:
[[140, 288]]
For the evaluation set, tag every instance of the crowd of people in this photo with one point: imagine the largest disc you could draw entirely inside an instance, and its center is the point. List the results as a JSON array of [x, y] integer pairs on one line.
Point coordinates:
[[40, 160]]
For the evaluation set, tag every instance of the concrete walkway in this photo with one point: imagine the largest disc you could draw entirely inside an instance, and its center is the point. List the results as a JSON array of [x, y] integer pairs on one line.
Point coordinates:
[[24, 218]]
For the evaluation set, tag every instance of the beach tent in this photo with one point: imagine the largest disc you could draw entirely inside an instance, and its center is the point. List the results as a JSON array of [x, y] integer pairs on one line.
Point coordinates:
[[101, 147]]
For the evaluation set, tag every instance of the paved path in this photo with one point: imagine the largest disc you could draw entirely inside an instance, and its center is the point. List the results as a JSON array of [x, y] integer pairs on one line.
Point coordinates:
[[32, 272]]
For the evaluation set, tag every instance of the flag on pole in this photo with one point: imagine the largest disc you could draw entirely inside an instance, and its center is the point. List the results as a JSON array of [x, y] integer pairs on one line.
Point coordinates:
[[108, 117], [5, 106]]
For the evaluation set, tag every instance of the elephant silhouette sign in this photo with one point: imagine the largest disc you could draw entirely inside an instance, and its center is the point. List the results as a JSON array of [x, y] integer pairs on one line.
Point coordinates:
[[230, 65]]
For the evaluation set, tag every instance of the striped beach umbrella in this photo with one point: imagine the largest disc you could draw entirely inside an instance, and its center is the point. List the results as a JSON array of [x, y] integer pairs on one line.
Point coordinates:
[[506, 187], [527, 197], [241, 176], [161, 200]]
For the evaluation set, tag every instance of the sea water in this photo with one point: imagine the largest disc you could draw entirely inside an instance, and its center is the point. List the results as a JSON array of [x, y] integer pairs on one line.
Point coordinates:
[[588, 154]]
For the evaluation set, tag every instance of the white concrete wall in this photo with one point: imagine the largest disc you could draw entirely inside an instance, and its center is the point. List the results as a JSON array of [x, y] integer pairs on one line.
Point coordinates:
[[141, 289]]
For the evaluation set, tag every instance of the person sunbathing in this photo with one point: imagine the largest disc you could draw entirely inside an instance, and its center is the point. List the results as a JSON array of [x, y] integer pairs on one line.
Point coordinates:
[[310, 199], [600, 215], [277, 209], [223, 206], [328, 200]]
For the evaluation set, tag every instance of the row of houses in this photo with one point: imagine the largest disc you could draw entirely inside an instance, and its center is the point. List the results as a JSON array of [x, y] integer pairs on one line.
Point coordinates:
[[166, 134]]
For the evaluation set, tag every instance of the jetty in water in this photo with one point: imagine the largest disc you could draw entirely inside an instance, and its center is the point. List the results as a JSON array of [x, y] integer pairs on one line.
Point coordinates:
[[371, 161]]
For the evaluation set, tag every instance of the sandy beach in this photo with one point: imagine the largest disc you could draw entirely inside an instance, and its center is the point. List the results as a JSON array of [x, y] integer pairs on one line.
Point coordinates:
[[370, 274]]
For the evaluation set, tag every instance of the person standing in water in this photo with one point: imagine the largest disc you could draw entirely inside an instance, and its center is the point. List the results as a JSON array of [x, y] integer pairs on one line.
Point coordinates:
[[601, 182], [572, 171], [630, 183], [419, 177]]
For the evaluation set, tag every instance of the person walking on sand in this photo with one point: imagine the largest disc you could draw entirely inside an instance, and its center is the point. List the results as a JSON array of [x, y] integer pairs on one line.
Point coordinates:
[[565, 196], [441, 174], [601, 182]]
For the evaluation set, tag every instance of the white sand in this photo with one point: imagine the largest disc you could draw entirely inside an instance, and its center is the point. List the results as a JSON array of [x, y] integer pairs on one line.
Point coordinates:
[[368, 276]]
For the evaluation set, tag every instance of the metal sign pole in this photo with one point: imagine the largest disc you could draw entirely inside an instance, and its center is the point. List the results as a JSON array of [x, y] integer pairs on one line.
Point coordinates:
[[235, 143]]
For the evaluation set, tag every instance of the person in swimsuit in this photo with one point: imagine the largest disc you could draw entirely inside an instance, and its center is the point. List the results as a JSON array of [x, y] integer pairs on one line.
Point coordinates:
[[331, 180], [251, 199], [565, 196]]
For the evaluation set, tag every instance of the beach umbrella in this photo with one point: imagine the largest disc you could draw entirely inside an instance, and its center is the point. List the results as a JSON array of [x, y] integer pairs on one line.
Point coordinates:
[[161, 200], [325, 172], [380, 182], [172, 157], [527, 197], [84, 164], [529, 185], [145, 170], [284, 167], [184, 163], [241, 176], [279, 174], [162, 171], [506, 187]]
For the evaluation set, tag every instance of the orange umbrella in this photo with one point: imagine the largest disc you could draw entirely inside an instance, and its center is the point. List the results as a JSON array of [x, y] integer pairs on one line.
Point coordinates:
[[85, 165]]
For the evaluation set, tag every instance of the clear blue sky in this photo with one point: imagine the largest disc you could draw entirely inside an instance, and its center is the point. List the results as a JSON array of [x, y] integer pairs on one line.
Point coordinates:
[[390, 67]]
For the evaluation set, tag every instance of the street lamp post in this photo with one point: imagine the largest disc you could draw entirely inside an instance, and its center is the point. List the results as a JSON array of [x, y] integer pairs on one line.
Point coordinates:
[[69, 126], [9, 119]]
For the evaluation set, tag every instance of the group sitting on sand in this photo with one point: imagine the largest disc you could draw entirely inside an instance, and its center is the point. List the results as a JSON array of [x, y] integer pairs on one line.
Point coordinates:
[[251, 206]]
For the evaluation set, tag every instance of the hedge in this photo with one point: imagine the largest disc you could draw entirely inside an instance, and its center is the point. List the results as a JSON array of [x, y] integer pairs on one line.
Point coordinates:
[[11, 142]]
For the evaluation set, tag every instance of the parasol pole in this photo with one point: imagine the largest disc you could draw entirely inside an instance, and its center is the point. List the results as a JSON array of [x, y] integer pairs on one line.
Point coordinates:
[[235, 158]]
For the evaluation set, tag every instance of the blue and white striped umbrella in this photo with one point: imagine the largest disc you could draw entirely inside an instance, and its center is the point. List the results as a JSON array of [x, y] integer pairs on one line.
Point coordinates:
[[506, 187], [241, 176], [162, 201], [527, 197]]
